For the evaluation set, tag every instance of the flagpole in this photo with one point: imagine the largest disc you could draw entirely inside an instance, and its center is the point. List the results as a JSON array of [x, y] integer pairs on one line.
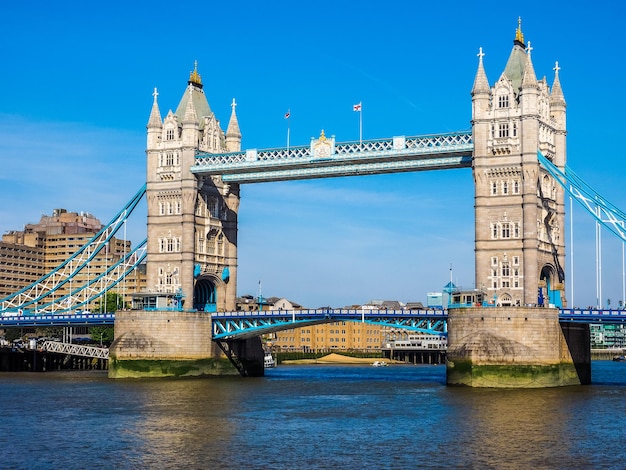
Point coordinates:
[[361, 125], [288, 116]]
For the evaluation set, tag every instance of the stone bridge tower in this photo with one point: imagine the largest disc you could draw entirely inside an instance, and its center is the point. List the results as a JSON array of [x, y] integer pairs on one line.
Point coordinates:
[[519, 208], [192, 221]]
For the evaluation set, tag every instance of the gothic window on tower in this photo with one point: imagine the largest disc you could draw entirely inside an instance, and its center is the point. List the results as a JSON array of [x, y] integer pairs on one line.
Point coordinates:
[[503, 101], [213, 207], [494, 261], [494, 188], [515, 187], [169, 158], [514, 129], [503, 130], [506, 230], [516, 230], [169, 134], [506, 271], [505, 187], [494, 233], [515, 260]]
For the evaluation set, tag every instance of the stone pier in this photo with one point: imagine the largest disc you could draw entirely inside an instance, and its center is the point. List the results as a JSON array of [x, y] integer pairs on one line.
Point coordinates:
[[516, 347], [165, 344]]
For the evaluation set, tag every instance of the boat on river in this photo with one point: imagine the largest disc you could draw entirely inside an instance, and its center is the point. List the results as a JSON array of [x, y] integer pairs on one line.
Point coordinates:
[[380, 364], [269, 361]]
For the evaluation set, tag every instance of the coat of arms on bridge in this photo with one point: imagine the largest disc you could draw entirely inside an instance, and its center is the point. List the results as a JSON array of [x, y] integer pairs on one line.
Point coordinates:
[[322, 147]]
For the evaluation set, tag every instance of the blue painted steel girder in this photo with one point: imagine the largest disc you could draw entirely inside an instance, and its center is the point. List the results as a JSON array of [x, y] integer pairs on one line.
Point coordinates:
[[328, 171], [392, 155], [229, 325], [79, 319]]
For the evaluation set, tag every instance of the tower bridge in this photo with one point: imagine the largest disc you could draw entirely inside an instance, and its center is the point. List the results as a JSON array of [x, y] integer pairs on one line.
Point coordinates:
[[194, 173]]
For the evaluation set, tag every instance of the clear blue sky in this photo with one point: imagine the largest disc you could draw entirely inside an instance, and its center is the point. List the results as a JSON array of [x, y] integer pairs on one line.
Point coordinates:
[[76, 91]]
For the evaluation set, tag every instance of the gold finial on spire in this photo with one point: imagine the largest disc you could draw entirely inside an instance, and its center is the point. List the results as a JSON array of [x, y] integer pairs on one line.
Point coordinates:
[[322, 136], [194, 77], [519, 36]]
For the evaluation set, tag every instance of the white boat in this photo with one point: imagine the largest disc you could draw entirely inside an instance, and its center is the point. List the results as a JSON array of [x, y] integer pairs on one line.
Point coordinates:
[[380, 364], [269, 361]]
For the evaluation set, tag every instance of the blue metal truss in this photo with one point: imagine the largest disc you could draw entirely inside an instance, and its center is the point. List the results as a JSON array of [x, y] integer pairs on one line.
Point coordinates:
[[607, 214], [43, 321], [42, 292], [397, 154], [240, 325]]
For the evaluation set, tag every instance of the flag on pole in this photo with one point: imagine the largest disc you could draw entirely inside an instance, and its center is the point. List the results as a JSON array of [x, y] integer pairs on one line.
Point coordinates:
[[357, 107]]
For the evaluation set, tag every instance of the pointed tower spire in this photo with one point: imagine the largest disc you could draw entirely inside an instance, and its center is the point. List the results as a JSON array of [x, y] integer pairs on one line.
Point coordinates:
[[233, 134], [190, 111], [481, 84], [514, 69], [529, 78], [557, 97], [155, 115], [194, 77]]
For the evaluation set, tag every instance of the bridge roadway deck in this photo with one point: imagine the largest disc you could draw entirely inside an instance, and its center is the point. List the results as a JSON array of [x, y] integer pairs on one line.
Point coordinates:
[[241, 324]]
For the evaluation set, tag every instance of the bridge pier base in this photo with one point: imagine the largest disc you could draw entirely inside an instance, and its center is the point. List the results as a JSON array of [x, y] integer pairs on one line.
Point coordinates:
[[516, 347], [165, 344]]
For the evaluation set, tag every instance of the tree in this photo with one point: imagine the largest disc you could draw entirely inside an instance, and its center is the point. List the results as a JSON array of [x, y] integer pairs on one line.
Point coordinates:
[[102, 334], [112, 302]]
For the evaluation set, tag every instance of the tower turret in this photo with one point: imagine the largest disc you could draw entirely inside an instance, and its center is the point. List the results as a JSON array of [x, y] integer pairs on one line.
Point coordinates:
[[155, 125], [233, 134]]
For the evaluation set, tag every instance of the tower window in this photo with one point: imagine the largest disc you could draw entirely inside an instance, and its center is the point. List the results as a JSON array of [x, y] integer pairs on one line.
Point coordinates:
[[506, 270], [494, 188], [516, 187], [169, 134], [503, 101], [506, 230], [503, 130], [505, 187]]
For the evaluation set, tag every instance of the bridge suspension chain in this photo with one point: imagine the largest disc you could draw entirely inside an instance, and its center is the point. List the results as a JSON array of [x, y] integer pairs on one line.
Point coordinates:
[[44, 289], [606, 213]]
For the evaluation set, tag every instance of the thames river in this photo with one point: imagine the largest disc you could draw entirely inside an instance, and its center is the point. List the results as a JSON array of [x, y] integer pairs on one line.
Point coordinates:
[[309, 417]]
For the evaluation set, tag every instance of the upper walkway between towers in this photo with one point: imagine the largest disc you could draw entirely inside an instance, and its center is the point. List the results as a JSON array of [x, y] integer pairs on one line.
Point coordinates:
[[325, 158]]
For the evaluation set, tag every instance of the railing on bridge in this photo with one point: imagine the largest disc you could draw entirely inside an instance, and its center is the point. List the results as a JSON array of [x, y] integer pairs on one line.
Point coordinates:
[[325, 158], [48, 320], [75, 349], [229, 325]]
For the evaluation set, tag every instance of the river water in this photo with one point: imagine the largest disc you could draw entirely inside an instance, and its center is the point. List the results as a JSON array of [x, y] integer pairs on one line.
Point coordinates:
[[309, 417]]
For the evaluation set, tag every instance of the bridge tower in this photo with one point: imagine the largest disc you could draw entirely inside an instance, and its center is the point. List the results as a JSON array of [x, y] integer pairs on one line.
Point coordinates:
[[519, 247], [519, 208], [192, 221], [192, 251]]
